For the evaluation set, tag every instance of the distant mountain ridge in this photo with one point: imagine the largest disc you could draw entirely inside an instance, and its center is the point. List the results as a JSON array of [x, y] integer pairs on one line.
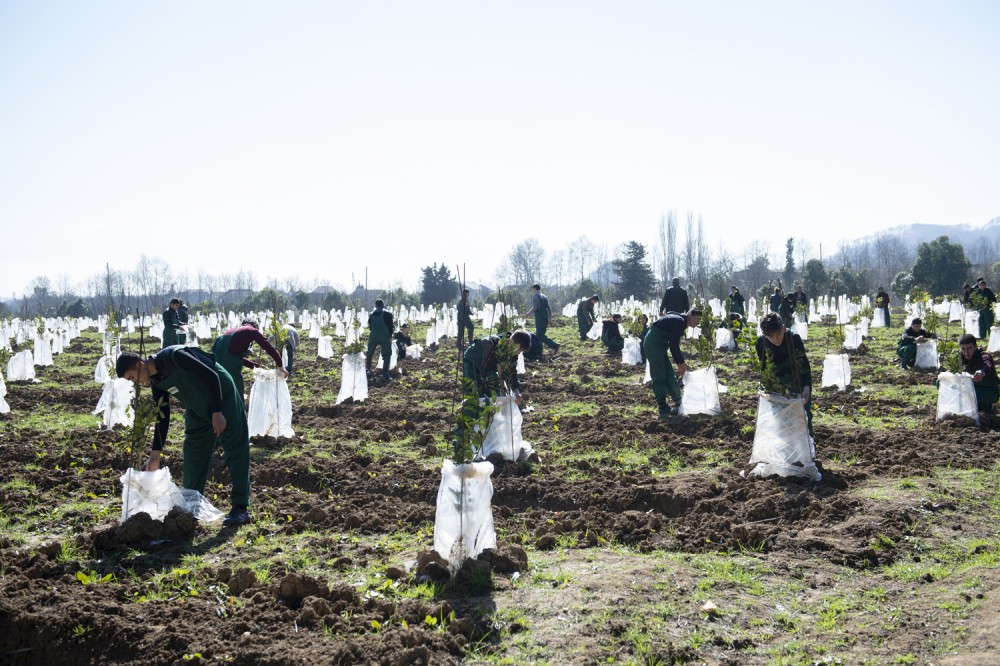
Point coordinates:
[[914, 234]]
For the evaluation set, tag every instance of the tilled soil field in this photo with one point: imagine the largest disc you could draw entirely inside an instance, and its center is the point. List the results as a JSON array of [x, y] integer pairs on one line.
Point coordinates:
[[631, 540]]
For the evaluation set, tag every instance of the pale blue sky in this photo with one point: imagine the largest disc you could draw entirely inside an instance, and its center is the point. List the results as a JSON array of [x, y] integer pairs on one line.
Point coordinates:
[[330, 136]]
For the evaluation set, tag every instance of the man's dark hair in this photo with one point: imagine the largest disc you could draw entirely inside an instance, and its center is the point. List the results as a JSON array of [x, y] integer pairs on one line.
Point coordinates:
[[522, 338], [595, 297], [917, 321], [536, 286], [616, 316], [404, 326], [966, 286], [379, 303], [980, 279], [771, 324], [465, 291], [126, 362], [967, 339], [250, 322], [694, 311], [676, 282], [175, 300]]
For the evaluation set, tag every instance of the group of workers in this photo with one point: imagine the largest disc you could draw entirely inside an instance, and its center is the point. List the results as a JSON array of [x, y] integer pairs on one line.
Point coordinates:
[[211, 388]]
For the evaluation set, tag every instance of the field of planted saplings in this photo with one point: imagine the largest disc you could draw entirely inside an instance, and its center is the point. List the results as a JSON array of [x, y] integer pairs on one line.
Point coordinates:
[[626, 539]]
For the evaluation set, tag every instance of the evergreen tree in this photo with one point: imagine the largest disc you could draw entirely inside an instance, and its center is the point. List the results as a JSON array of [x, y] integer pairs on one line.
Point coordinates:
[[788, 275], [438, 286], [941, 267], [815, 280], [634, 274]]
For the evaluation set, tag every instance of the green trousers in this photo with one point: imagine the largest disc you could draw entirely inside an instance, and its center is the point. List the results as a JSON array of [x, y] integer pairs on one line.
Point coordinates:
[[657, 346], [907, 354], [985, 323], [541, 326]]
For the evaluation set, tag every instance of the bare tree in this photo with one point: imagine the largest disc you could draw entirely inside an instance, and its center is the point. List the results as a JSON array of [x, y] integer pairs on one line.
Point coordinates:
[[604, 272], [581, 254], [702, 258], [671, 245], [523, 265], [689, 248], [556, 267]]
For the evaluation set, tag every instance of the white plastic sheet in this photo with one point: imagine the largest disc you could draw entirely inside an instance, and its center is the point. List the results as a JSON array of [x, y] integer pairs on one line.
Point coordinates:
[[115, 404], [155, 493], [104, 369], [595, 331], [463, 522], [927, 355], [324, 348], [631, 354], [413, 352], [701, 392], [781, 443], [837, 371], [270, 405], [504, 434], [353, 380], [956, 395], [21, 367]]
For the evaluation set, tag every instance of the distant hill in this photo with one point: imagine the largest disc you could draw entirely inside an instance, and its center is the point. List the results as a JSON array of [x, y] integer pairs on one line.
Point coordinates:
[[914, 234]]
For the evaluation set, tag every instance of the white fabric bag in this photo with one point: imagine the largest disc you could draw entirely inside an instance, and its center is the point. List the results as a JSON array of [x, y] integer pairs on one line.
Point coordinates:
[[994, 345], [324, 348], [837, 371], [878, 318], [701, 392], [270, 405], [957, 395], [115, 404], [4, 407], [520, 364], [927, 355], [693, 333], [631, 354], [463, 521], [21, 367], [504, 434], [781, 442], [802, 328], [648, 377], [852, 337], [595, 331], [43, 350], [972, 322], [155, 493], [413, 352], [724, 339], [353, 379]]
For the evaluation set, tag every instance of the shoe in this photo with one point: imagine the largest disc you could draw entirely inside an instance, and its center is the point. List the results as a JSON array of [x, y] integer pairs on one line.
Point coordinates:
[[238, 516], [665, 413], [555, 351]]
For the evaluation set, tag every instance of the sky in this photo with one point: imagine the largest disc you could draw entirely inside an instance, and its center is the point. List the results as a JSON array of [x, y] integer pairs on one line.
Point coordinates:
[[322, 139]]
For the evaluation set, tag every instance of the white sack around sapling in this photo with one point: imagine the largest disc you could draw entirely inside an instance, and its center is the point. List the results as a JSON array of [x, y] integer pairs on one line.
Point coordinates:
[[701, 392], [504, 434], [852, 337], [115, 404], [270, 405], [781, 442], [972, 322], [802, 329], [43, 351], [520, 364], [724, 339], [878, 318], [4, 407], [631, 354], [413, 352], [927, 355], [595, 331], [353, 379], [837, 371], [957, 395], [21, 367], [463, 521], [155, 493], [324, 348], [994, 344]]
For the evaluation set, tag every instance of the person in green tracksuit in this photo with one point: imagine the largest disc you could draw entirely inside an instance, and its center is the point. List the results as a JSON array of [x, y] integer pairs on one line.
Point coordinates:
[[213, 415], [463, 312], [543, 314], [611, 334], [231, 349], [783, 362], [482, 369], [172, 324], [379, 335], [585, 317], [986, 299], [665, 336], [906, 350]]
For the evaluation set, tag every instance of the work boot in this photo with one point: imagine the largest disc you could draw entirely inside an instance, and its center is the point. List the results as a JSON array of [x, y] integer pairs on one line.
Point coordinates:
[[665, 412], [237, 517], [555, 351]]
